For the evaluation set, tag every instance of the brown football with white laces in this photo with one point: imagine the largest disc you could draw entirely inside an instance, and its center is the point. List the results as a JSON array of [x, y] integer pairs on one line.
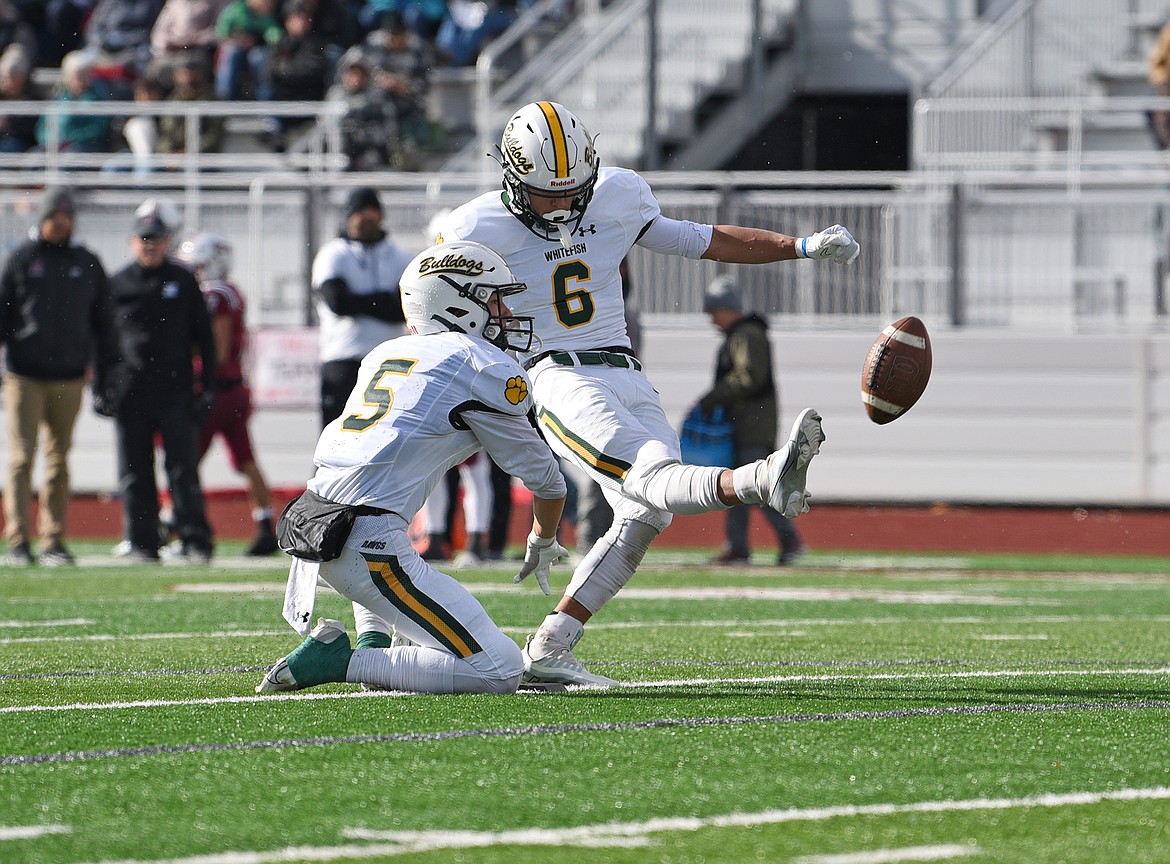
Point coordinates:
[[896, 370]]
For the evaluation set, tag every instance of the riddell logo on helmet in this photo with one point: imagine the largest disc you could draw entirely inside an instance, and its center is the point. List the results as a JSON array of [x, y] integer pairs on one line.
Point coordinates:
[[452, 263], [557, 184]]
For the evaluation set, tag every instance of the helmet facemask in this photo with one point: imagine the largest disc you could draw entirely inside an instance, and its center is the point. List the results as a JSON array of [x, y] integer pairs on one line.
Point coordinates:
[[506, 331]]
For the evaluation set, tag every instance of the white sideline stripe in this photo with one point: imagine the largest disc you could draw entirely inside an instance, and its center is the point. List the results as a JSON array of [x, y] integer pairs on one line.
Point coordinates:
[[630, 685], [405, 842], [31, 832], [64, 622], [143, 637], [892, 856]]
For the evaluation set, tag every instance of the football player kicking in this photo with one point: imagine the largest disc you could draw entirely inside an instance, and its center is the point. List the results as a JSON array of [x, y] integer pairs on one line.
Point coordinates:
[[423, 403], [564, 225]]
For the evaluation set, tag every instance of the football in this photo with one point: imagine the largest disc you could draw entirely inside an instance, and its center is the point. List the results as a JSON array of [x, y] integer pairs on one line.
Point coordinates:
[[896, 371]]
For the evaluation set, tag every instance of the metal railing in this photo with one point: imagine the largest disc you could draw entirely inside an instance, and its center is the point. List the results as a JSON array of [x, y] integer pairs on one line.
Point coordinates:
[[599, 66], [1070, 134], [319, 151], [981, 249], [1045, 47]]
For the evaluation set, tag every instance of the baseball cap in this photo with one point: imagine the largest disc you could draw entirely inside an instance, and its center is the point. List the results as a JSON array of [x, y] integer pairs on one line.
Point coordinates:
[[155, 217], [722, 293], [57, 199]]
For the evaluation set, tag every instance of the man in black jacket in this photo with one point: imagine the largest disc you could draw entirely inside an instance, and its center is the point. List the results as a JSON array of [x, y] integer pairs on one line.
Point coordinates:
[[54, 316], [745, 389], [160, 318]]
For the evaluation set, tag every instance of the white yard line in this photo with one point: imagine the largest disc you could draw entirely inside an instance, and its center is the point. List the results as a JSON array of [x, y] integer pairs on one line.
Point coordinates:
[[628, 685], [64, 622], [31, 832], [389, 843], [893, 856], [146, 637]]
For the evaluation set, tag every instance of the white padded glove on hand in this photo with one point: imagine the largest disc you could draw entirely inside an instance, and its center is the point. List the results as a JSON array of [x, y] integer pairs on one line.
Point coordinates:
[[834, 242], [540, 554]]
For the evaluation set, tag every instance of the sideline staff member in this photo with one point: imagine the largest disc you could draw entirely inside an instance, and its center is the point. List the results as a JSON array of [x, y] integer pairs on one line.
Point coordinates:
[[160, 317], [355, 277], [54, 313]]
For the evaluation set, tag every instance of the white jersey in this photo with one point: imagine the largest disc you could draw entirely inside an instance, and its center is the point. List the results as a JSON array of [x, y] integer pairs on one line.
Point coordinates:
[[366, 269], [422, 405], [574, 293]]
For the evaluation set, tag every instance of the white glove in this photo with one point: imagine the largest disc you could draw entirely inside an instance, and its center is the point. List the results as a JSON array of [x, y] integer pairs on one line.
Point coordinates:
[[834, 242], [540, 554]]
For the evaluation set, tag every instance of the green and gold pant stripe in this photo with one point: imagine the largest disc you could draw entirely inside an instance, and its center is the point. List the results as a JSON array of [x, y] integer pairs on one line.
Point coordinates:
[[396, 586], [607, 465]]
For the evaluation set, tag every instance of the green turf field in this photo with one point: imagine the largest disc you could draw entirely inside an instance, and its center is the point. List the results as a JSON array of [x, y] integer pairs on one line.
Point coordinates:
[[859, 709]]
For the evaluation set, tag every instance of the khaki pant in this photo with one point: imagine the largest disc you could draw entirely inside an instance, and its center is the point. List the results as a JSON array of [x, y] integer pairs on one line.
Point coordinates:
[[32, 403]]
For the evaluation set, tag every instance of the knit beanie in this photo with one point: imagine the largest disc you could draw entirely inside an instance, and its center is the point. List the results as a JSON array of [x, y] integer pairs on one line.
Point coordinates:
[[722, 293], [361, 198], [57, 199]]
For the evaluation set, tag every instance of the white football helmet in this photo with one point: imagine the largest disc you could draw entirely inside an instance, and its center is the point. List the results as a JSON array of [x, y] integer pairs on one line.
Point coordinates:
[[447, 288], [546, 151], [210, 252]]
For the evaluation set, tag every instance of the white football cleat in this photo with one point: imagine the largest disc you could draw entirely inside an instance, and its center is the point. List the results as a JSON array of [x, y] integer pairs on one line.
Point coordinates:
[[787, 469], [558, 666]]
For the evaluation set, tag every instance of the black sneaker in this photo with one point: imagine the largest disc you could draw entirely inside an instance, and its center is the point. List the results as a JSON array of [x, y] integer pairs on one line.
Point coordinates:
[[19, 555], [791, 556], [56, 555], [264, 544]]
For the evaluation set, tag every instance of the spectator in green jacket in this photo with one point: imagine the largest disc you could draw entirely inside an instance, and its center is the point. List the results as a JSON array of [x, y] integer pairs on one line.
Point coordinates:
[[247, 30], [746, 390], [77, 133]]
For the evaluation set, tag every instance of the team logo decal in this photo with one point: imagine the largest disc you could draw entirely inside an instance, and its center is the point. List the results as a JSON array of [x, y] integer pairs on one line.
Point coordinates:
[[515, 151], [516, 390], [453, 263]]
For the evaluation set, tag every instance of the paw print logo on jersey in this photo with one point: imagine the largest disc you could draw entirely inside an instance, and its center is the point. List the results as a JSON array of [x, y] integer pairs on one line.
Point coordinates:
[[516, 390]]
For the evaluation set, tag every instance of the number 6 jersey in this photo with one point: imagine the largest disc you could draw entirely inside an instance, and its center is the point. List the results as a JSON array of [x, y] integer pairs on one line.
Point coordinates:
[[574, 292]]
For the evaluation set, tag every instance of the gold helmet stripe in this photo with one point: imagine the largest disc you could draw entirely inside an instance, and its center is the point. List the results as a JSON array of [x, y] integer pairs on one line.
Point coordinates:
[[560, 148]]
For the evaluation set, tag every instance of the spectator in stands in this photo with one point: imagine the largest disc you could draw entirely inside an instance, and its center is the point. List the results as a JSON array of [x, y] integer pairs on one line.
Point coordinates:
[[191, 84], [76, 133], [184, 26], [401, 65], [118, 32], [58, 25], [298, 67], [54, 319], [423, 17], [355, 278], [141, 130], [18, 132], [746, 390], [335, 24], [471, 24], [369, 131], [247, 30], [14, 30], [161, 321], [1159, 74], [210, 257]]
